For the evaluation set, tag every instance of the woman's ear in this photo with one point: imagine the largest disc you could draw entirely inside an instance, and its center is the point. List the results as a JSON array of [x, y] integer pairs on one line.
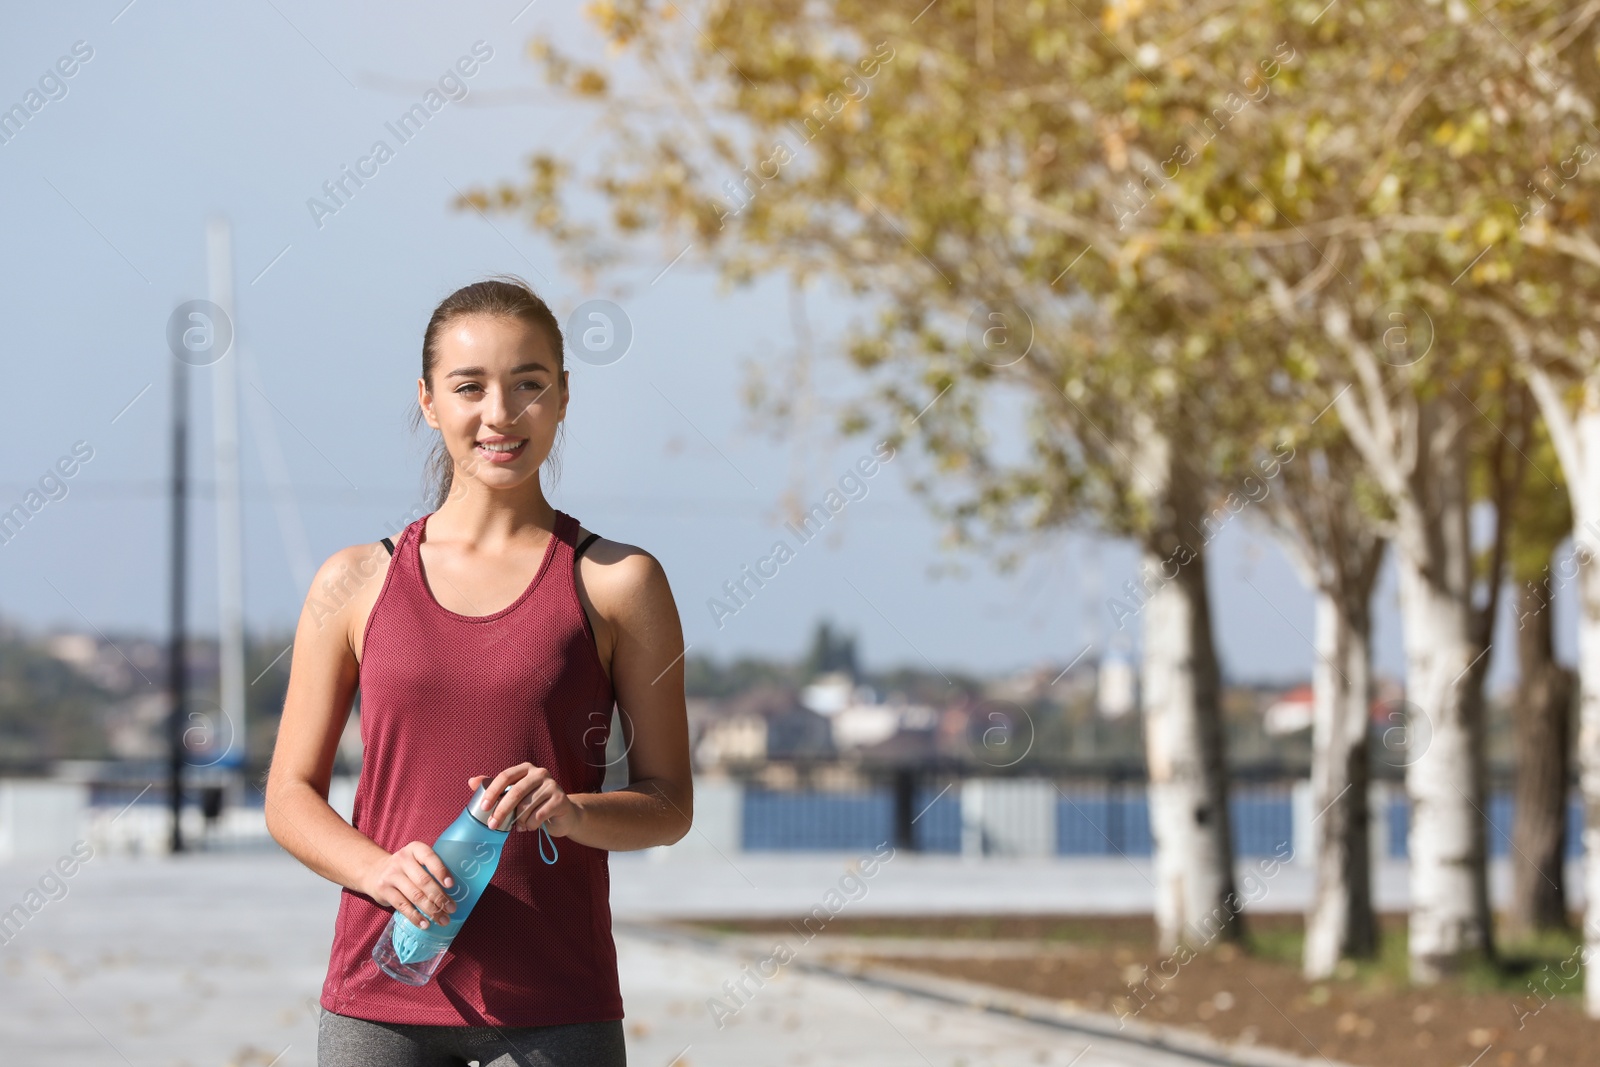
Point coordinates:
[[425, 401]]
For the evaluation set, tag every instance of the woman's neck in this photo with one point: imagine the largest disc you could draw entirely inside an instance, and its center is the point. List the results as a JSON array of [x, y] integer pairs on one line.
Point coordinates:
[[486, 518]]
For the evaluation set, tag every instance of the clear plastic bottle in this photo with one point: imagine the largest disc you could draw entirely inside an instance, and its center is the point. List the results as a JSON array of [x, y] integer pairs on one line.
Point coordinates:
[[471, 850]]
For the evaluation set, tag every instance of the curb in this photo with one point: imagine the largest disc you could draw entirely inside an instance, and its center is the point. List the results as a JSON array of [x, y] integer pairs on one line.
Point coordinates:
[[1040, 1010]]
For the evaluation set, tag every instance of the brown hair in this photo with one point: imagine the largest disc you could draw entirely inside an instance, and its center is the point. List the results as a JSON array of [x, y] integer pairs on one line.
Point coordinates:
[[504, 295]]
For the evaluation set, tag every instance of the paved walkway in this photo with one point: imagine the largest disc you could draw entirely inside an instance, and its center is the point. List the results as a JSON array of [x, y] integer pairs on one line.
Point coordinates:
[[218, 959], [801, 1019]]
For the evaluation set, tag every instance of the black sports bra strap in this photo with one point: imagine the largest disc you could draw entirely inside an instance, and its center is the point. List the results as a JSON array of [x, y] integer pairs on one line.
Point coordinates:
[[389, 545]]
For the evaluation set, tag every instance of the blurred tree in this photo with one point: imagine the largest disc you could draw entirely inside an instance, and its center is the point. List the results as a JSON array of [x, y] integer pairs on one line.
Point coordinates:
[[1522, 117], [976, 175], [1324, 506], [1406, 378], [830, 652], [1543, 703], [1144, 224], [50, 708]]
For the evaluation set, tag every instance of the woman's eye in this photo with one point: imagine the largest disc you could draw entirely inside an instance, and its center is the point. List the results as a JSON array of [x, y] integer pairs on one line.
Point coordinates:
[[474, 385]]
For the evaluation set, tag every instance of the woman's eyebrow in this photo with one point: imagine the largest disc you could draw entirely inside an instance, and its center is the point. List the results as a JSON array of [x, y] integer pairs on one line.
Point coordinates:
[[478, 372]]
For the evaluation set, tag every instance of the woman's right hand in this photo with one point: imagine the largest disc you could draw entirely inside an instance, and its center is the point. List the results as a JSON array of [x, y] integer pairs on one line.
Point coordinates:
[[405, 882]]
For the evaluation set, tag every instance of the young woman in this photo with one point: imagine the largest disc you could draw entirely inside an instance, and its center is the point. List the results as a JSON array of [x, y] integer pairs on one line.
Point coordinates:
[[489, 641]]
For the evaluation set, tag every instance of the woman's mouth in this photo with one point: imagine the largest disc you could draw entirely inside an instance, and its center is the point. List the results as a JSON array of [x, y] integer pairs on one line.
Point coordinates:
[[500, 451]]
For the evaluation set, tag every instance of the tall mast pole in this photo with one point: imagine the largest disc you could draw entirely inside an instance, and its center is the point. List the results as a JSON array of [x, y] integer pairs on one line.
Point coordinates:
[[230, 577], [177, 681]]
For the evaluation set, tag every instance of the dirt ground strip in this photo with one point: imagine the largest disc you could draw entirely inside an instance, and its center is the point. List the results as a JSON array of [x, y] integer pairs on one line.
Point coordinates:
[[1107, 964]]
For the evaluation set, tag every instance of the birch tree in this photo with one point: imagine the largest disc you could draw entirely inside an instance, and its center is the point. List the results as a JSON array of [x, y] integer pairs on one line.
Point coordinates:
[[1393, 141], [1416, 443], [1325, 510], [1563, 372], [1532, 277]]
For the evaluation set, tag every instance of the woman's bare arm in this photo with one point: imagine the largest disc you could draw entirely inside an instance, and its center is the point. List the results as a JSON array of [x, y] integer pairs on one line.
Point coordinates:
[[630, 591], [322, 684]]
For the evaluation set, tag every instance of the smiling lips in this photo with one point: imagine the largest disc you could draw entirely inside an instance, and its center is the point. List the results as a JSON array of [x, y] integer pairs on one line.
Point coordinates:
[[501, 449]]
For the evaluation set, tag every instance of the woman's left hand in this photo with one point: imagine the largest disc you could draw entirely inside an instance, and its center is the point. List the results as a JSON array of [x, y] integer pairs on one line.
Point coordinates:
[[534, 798]]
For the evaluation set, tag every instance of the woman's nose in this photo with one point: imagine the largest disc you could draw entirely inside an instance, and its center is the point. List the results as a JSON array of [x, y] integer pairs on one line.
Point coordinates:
[[499, 408]]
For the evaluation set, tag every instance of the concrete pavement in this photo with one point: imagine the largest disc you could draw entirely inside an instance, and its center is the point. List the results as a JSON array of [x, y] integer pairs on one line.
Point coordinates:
[[218, 959]]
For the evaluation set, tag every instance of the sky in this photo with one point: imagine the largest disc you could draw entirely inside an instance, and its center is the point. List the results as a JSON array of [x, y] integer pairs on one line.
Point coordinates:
[[176, 113]]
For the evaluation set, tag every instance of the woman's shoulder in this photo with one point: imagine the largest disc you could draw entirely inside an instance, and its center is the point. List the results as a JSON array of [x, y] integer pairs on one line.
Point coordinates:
[[348, 571], [615, 573], [362, 559]]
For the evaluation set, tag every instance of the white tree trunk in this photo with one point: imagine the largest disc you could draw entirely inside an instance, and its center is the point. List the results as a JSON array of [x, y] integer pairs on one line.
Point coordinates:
[[1449, 905], [1340, 921], [1195, 901], [1338, 549], [1180, 682], [1415, 449]]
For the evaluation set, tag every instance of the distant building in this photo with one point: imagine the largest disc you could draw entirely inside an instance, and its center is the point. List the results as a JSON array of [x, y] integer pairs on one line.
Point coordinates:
[[79, 650], [1116, 687], [1294, 710], [764, 722], [136, 728], [1289, 713], [736, 739], [858, 719], [833, 691], [797, 734]]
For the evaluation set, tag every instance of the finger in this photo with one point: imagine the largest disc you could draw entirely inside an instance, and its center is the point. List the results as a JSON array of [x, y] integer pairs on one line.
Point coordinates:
[[519, 819], [428, 915], [428, 896], [497, 818], [504, 807], [409, 910], [519, 780], [408, 904], [495, 787], [435, 866], [529, 802], [518, 796], [525, 812], [546, 810]]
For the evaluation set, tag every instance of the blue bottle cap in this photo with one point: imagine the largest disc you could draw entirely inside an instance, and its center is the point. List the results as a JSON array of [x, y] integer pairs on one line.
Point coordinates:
[[474, 806]]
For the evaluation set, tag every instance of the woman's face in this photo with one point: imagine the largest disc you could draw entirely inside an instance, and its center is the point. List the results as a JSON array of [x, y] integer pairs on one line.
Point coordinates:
[[495, 383]]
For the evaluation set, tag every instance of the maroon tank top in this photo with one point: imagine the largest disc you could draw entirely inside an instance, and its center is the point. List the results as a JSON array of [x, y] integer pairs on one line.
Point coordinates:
[[445, 697]]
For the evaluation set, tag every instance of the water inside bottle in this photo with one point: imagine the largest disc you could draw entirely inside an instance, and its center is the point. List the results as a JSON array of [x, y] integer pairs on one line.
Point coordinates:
[[411, 945]]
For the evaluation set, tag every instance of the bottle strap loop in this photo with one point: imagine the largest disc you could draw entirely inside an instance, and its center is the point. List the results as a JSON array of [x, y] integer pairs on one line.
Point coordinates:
[[554, 855]]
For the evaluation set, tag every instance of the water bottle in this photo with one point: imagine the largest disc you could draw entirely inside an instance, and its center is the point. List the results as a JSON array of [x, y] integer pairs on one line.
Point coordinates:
[[470, 850]]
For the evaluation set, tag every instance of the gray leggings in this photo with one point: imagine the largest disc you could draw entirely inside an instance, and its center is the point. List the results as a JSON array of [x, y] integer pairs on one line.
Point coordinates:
[[344, 1041]]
